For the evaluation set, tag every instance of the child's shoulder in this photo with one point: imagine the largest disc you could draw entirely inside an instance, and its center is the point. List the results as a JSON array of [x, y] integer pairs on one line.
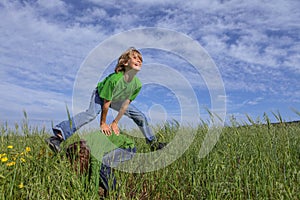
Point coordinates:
[[117, 75], [114, 76]]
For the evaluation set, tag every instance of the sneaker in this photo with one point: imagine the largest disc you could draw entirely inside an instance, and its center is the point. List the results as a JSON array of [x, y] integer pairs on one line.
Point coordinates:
[[157, 146], [54, 143]]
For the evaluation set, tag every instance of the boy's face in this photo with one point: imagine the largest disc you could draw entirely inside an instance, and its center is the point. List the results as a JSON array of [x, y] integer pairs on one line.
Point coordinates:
[[135, 61]]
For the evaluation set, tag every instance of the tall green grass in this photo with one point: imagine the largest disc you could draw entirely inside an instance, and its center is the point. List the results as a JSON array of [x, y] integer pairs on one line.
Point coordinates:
[[257, 161]]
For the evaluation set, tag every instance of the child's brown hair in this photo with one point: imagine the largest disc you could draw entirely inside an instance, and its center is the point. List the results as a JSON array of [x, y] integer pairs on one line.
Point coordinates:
[[79, 155], [120, 67]]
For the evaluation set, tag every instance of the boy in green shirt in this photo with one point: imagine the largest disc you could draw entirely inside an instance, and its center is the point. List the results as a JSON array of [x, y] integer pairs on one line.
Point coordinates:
[[116, 91]]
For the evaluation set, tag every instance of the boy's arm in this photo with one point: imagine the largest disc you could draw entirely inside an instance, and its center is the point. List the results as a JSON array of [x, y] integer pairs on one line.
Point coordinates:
[[114, 124], [103, 126]]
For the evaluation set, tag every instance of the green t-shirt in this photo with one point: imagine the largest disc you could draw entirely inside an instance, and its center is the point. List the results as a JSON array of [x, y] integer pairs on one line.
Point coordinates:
[[100, 144], [115, 88]]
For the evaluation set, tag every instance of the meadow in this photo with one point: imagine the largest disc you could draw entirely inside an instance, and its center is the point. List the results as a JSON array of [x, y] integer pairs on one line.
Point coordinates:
[[258, 160]]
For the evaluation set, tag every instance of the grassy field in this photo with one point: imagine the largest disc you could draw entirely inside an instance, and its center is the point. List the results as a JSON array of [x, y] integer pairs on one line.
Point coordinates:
[[248, 162]]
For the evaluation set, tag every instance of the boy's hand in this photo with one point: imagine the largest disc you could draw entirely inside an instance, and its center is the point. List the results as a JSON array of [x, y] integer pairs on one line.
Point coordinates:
[[105, 129], [115, 128]]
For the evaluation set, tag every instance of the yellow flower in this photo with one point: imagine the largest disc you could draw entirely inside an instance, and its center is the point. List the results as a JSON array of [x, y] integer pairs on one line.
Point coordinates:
[[28, 149], [23, 160], [10, 146], [2, 155], [21, 185], [4, 159], [10, 164]]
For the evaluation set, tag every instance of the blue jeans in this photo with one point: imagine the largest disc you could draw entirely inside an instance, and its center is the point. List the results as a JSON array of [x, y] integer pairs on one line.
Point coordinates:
[[110, 160], [67, 128]]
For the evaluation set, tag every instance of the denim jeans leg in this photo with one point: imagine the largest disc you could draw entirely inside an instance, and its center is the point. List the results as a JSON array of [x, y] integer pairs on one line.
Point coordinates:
[[68, 127], [117, 156], [141, 121], [108, 178], [139, 118], [113, 159]]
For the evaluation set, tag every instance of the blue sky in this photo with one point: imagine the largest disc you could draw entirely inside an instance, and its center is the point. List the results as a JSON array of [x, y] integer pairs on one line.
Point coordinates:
[[254, 44]]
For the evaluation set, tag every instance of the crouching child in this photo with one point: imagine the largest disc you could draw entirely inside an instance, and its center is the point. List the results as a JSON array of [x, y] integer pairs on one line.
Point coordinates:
[[99, 158]]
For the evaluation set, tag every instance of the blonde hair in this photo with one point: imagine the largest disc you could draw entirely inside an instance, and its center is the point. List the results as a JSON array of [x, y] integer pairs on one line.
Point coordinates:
[[120, 67]]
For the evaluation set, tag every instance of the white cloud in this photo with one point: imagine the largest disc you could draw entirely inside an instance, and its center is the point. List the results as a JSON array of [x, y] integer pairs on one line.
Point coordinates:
[[255, 44], [40, 104], [249, 21], [91, 15], [54, 6], [41, 49]]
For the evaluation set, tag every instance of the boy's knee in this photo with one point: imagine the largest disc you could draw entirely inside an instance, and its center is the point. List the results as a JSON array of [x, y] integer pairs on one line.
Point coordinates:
[[141, 120]]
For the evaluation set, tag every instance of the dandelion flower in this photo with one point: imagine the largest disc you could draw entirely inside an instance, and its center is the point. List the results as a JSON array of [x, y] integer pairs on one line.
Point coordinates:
[[21, 185], [2, 155], [28, 149], [10, 146], [4, 159], [23, 160], [10, 164]]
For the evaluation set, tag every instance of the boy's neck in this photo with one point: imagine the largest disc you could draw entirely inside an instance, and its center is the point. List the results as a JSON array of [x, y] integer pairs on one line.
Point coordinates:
[[129, 75]]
